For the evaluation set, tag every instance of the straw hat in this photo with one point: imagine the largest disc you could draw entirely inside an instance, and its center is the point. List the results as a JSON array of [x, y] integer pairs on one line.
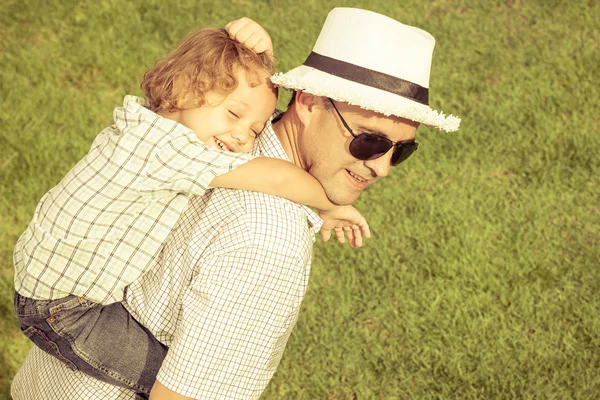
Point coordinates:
[[372, 61]]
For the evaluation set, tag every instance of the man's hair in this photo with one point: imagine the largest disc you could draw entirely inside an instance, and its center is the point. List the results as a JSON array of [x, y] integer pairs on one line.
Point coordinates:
[[207, 59], [292, 99], [326, 104]]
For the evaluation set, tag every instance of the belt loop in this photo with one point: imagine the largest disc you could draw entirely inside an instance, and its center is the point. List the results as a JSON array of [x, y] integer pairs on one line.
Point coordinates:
[[22, 300]]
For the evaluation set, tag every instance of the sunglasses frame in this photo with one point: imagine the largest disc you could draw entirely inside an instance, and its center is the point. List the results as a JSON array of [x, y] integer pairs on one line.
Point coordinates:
[[410, 145]]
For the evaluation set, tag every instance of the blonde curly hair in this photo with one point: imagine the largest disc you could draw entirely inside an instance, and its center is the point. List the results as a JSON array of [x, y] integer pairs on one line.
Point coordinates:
[[207, 59]]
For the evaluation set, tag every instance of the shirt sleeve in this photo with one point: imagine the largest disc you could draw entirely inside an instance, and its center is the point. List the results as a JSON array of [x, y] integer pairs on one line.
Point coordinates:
[[233, 330], [183, 164]]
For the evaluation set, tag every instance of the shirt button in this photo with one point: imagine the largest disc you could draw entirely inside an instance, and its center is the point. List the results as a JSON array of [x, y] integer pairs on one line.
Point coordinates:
[[51, 319]]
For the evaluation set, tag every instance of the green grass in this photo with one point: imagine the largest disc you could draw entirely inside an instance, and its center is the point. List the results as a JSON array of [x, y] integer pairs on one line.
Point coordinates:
[[481, 281]]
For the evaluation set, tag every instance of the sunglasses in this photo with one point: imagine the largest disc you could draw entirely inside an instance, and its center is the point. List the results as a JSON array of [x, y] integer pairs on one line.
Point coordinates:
[[369, 146]]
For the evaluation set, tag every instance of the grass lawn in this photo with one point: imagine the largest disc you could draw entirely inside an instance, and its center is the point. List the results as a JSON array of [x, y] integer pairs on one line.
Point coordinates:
[[481, 281]]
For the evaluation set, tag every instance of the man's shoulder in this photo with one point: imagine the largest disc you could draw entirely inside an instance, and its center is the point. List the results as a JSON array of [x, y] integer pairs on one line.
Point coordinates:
[[258, 206], [229, 220], [265, 215]]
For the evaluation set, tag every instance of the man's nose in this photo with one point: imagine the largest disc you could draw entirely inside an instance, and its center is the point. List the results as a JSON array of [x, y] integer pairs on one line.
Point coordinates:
[[381, 166]]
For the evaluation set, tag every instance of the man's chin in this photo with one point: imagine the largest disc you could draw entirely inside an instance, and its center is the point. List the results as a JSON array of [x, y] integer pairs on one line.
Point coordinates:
[[339, 191], [342, 199]]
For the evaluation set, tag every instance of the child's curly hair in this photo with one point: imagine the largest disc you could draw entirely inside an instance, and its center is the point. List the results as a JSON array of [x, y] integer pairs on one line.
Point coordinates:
[[206, 59]]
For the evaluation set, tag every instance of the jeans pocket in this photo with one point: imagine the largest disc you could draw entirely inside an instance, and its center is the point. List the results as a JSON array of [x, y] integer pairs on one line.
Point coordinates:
[[71, 316], [42, 341], [29, 308]]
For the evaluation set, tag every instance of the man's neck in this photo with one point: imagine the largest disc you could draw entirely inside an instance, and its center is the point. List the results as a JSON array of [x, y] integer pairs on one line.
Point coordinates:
[[286, 130]]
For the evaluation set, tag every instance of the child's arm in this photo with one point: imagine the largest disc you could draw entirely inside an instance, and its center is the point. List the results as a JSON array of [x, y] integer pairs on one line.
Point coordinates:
[[278, 178], [284, 179]]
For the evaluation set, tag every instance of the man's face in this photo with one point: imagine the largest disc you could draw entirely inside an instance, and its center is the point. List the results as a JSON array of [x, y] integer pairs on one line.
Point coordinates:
[[325, 142]]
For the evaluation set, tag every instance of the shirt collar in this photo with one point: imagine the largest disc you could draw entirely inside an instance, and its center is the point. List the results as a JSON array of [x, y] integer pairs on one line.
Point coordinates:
[[267, 144], [134, 112]]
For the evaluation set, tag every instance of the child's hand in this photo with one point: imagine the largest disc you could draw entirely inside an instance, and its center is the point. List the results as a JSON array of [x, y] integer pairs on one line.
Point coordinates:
[[251, 35], [345, 220]]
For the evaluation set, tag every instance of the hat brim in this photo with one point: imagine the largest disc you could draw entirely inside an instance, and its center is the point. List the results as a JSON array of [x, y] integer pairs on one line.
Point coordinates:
[[319, 83]]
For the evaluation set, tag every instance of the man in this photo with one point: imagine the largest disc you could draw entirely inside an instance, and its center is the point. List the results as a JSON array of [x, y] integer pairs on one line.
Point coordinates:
[[224, 294]]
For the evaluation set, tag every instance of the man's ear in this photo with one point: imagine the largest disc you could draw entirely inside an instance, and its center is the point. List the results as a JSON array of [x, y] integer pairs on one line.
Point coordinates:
[[305, 104]]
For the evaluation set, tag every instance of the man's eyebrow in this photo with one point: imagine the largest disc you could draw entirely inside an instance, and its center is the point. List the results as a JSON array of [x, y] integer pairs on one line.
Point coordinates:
[[366, 129]]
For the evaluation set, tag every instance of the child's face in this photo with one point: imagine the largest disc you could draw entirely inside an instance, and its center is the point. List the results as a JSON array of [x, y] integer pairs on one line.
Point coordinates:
[[232, 122]]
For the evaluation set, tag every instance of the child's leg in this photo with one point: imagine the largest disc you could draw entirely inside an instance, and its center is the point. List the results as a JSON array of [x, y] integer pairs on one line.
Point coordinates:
[[105, 342]]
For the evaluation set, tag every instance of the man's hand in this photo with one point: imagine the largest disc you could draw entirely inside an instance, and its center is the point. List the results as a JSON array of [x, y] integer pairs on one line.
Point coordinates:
[[250, 34], [345, 221]]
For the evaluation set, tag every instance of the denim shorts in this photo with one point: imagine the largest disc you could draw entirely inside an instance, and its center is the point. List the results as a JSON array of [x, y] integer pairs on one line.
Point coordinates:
[[103, 341]]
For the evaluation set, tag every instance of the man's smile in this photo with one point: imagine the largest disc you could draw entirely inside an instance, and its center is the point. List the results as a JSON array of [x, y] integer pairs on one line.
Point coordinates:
[[357, 181]]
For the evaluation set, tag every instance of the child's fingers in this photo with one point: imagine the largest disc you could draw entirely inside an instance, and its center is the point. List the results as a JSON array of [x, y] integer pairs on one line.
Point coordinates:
[[325, 234], [241, 29], [366, 231], [263, 46], [339, 233], [349, 233], [234, 27], [229, 25], [251, 41], [251, 35], [242, 36], [357, 236]]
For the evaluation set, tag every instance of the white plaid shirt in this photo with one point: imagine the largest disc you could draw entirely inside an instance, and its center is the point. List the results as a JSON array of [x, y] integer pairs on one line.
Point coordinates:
[[103, 224], [224, 295]]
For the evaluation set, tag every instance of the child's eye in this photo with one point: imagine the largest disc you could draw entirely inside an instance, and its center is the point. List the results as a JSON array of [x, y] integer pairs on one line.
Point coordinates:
[[233, 114]]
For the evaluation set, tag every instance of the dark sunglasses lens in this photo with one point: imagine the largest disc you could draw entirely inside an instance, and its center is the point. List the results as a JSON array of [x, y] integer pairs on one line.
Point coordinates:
[[403, 151], [368, 147]]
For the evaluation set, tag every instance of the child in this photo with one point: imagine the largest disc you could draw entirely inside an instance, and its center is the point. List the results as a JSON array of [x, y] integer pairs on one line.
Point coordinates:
[[101, 226]]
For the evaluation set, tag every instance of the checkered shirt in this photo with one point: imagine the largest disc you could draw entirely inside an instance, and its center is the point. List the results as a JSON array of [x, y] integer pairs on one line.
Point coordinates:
[[224, 295], [102, 225]]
